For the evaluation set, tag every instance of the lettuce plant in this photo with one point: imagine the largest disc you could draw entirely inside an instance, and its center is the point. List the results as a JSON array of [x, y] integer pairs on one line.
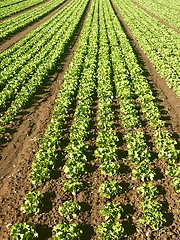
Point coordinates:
[[33, 203], [147, 190], [111, 230], [67, 231], [110, 168], [73, 186], [152, 215], [109, 189], [69, 209], [22, 231], [112, 211]]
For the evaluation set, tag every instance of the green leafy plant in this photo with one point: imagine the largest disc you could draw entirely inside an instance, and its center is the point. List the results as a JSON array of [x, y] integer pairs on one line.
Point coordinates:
[[112, 211], [174, 172], [69, 209], [74, 169], [176, 183], [143, 172], [2, 129], [22, 231], [109, 189], [33, 203], [110, 168], [166, 146], [106, 143], [40, 175], [111, 230], [152, 214], [73, 186], [147, 190], [67, 231], [137, 148]]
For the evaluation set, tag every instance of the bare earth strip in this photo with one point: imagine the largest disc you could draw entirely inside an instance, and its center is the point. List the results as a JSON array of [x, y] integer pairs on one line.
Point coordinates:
[[23, 11], [156, 17], [18, 36]]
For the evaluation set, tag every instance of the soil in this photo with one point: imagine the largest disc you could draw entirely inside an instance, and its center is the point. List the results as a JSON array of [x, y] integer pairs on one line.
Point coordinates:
[[20, 145], [20, 34], [23, 11], [156, 17]]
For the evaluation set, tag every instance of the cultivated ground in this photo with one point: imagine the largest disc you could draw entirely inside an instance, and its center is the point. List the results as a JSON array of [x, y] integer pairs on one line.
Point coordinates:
[[21, 142]]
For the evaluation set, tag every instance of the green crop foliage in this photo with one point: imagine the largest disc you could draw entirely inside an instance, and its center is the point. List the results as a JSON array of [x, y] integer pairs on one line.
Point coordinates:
[[23, 231], [33, 203], [148, 191], [69, 209], [67, 231], [73, 186], [112, 211], [152, 215], [110, 189], [111, 230]]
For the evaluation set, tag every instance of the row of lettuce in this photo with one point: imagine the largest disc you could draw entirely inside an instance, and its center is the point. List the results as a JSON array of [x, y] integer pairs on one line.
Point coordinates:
[[160, 43], [9, 2], [103, 64], [167, 10], [15, 8], [46, 157], [26, 65], [13, 25], [131, 85]]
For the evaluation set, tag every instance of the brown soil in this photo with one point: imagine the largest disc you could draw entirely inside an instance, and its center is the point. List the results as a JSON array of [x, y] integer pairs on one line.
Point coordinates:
[[23, 11], [19, 35], [156, 17]]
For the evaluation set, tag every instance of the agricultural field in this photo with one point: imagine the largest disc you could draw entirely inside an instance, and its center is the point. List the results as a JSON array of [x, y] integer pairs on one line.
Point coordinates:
[[89, 120]]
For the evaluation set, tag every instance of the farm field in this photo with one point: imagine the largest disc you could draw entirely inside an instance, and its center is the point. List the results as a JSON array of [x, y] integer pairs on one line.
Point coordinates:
[[89, 120]]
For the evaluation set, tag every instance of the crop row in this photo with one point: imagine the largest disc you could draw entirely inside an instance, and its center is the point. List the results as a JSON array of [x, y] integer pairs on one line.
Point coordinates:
[[104, 63], [107, 140], [9, 2], [138, 152], [144, 95], [77, 162], [12, 9], [77, 78], [24, 84], [164, 11], [46, 157], [160, 43], [15, 24]]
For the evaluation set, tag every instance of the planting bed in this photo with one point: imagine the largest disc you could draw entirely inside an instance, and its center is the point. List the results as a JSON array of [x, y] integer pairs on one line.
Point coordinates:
[[89, 120]]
